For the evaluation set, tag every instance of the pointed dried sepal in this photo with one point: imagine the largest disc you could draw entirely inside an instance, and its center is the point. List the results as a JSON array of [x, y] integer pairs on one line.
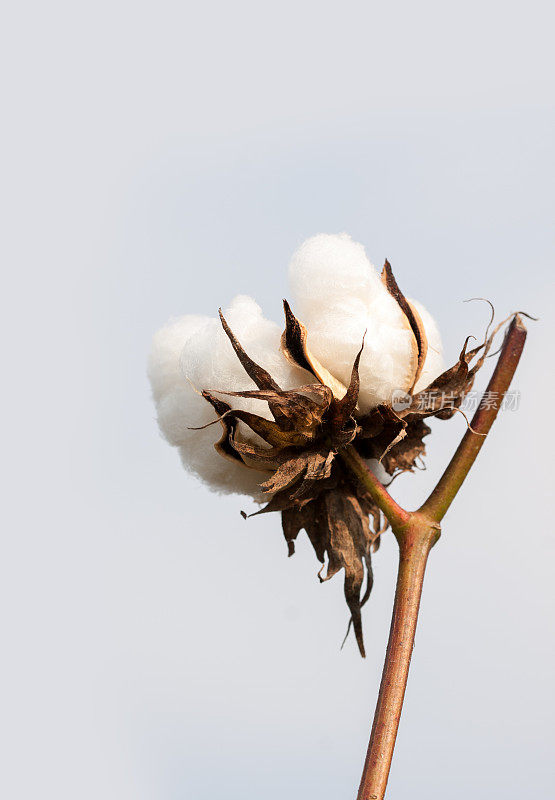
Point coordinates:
[[256, 373], [413, 319], [295, 348], [341, 410]]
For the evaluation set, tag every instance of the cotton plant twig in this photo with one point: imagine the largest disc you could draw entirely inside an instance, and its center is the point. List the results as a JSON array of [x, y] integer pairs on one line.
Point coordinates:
[[416, 533]]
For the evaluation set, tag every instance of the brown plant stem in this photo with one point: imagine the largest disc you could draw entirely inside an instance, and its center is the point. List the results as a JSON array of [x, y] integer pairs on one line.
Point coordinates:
[[415, 542], [416, 533]]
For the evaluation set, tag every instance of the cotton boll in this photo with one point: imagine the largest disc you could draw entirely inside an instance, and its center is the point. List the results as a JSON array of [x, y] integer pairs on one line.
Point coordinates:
[[434, 364], [338, 294]]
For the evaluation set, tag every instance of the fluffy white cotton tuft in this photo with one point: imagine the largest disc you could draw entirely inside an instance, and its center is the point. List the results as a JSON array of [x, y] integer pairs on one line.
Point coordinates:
[[193, 353], [330, 267], [338, 294], [167, 344]]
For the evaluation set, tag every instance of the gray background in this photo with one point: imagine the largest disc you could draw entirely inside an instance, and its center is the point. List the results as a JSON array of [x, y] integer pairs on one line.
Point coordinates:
[[157, 159]]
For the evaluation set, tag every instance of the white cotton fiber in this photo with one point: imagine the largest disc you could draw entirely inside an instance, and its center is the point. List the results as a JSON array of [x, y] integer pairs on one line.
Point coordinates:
[[338, 294], [194, 353], [332, 267]]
